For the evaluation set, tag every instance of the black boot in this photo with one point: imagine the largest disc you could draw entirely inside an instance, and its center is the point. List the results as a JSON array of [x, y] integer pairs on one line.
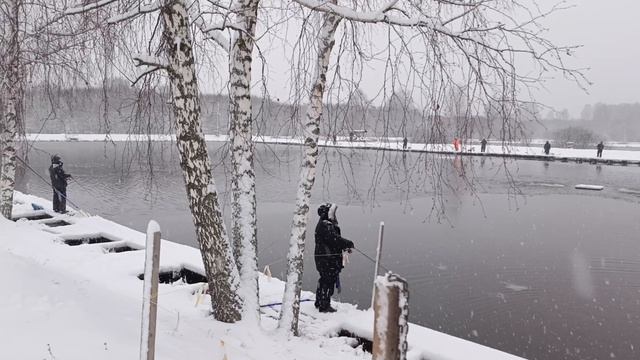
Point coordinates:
[[328, 309]]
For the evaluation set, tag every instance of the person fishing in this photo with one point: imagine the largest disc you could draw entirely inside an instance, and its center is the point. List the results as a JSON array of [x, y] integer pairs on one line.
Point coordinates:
[[328, 255], [59, 184], [600, 147], [456, 144]]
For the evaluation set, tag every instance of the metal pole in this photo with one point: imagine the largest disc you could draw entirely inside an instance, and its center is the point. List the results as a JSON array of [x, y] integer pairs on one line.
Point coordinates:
[[150, 292], [378, 255]]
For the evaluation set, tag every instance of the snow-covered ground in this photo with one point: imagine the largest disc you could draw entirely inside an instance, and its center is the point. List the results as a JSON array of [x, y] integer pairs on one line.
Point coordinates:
[[369, 143], [83, 302]]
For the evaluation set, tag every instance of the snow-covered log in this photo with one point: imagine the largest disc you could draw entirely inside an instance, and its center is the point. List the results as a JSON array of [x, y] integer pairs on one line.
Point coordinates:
[[295, 257], [211, 234], [10, 99], [243, 183]]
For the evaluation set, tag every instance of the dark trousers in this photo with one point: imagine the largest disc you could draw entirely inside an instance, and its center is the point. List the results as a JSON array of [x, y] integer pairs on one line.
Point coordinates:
[[59, 200], [599, 153], [326, 285], [483, 148]]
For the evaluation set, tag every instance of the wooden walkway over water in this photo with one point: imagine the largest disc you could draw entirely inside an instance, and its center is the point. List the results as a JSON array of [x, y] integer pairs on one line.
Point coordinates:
[[410, 149]]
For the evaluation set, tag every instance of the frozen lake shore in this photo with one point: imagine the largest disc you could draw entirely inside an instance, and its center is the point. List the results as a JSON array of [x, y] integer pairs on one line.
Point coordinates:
[[78, 302], [532, 152]]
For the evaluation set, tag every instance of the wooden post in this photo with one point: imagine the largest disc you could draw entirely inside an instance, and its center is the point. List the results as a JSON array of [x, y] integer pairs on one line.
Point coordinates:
[[150, 292], [378, 255], [391, 321]]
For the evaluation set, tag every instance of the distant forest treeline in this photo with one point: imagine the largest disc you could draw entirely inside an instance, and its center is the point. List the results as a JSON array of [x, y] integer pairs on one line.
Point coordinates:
[[620, 122], [123, 109], [116, 110]]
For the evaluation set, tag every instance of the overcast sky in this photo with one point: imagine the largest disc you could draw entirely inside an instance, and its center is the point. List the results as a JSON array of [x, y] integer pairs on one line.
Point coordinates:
[[608, 30], [610, 33]]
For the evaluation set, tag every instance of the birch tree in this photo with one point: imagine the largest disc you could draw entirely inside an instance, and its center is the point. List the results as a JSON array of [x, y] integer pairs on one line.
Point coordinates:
[[219, 263], [295, 257], [178, 62], [486, 46], [32, 50], [11, 95], [243, 184]]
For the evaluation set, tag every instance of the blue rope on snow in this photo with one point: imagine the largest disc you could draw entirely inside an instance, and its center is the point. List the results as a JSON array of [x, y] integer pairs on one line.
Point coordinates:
[[279, 303]]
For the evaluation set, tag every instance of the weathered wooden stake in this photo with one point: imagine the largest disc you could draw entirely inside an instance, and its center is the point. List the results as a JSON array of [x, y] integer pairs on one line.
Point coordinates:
[[391, 321], [378, 255], [150, 292]]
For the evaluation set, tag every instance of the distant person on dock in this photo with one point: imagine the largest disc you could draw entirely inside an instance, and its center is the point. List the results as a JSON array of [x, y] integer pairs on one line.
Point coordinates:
[[456, 144], [328, 255], [600, 148], [547, 147], [483, 145], [59, 184], [405, 141]]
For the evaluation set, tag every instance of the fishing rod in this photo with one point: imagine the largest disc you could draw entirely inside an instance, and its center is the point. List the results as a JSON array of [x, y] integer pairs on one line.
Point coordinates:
[[48, 183]]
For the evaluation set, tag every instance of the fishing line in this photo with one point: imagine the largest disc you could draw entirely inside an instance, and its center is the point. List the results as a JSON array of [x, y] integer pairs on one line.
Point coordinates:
[[48, 183]]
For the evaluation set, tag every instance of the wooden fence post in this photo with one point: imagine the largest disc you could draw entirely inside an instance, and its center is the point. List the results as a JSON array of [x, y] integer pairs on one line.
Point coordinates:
[[391, 321], [150, 292]]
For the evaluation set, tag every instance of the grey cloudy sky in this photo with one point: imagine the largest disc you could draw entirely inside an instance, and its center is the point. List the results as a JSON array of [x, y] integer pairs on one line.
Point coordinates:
[[608, 30], [610, 33]]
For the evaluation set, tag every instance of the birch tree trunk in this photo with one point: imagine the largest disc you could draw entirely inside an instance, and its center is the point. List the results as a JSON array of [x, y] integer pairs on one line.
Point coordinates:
[[10, 92], [295, 264], [217, 256], [243, 184]]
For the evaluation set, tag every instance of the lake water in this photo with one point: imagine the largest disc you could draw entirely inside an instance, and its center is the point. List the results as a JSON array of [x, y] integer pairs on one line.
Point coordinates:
[[517, 260]]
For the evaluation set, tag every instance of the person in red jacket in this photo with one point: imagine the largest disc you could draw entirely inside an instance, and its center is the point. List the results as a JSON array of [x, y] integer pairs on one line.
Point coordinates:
[[456, 144]]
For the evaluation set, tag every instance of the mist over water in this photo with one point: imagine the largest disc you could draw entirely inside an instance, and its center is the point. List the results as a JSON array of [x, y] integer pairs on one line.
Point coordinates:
[[525, 263]]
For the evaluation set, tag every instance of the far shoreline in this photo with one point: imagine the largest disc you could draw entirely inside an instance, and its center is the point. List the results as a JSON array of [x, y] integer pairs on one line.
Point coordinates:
[[514, 151]]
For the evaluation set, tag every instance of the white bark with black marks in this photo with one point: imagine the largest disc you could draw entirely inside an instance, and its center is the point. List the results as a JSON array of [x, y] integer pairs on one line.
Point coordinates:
[[243, 184], [215, 248], [11, 96], [295, 266]]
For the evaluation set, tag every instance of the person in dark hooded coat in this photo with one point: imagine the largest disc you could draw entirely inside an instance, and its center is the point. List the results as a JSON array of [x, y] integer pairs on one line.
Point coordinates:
[[59, 184], [600, 147], [328, 255]]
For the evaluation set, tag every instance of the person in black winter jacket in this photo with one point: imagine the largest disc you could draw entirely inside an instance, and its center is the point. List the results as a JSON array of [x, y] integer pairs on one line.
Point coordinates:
[[483, 145], [328, 255], [59, 184], [600, 147]]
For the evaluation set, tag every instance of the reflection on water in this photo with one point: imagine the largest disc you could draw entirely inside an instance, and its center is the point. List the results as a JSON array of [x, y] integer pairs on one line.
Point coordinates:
[[527, 264]]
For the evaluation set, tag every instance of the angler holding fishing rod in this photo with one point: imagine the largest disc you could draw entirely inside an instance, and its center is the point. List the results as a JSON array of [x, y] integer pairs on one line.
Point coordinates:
[[59, 184], [328, 255]]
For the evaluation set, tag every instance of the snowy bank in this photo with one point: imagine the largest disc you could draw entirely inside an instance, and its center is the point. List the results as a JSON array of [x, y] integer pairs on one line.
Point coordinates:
[[532, 152], [84, 302]]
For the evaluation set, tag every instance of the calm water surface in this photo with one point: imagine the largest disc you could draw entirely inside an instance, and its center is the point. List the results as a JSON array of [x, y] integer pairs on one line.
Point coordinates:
[[525, 263]]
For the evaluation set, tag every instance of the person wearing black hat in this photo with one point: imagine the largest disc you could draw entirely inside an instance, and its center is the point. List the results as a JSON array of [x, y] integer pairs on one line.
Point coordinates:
[[328, 255], [59, 184]]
